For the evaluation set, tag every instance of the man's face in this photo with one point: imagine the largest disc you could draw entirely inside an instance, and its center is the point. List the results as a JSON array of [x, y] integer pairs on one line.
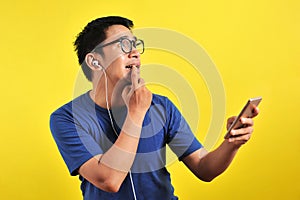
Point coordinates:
[[117, 63]]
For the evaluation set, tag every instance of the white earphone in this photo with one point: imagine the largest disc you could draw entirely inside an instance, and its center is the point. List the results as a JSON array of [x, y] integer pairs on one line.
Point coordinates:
[[95, 63]]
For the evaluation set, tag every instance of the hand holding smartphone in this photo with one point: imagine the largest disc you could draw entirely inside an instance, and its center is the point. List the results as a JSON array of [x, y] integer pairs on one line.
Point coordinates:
[[246, 112]]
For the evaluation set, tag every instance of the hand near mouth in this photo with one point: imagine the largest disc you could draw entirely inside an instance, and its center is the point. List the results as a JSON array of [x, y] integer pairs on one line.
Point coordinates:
[[136, 96]]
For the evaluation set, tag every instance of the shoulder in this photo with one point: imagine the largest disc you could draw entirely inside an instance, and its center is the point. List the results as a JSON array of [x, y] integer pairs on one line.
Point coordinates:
[[160, 99], [164, 107], [165, 102], [69, 117], [67, 110]]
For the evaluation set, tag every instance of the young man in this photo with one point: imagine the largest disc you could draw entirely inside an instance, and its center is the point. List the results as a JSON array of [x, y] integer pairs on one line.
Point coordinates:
[[115, 135]]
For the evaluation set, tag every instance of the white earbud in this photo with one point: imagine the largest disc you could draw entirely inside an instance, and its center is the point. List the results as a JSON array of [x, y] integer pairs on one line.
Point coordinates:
[[96, 64]]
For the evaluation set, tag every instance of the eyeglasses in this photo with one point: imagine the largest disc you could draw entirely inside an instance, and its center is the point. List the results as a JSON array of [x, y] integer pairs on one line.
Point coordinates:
[[127, 44]]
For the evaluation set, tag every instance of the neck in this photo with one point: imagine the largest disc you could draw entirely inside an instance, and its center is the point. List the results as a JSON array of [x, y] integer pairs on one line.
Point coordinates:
[[107, 94]]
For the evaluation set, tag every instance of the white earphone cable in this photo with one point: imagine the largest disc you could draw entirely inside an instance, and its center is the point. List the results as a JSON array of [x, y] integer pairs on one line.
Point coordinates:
[[113, 127]]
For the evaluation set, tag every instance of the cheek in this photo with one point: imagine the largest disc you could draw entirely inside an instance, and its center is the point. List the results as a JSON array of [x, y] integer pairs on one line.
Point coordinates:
[[119, 61], [116, 59], [117, 67]]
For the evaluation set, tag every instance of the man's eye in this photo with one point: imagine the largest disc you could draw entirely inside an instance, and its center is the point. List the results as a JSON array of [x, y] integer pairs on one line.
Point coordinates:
[[126, 42]]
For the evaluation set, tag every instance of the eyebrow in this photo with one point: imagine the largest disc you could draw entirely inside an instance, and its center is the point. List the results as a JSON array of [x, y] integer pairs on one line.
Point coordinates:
[[126, 36]]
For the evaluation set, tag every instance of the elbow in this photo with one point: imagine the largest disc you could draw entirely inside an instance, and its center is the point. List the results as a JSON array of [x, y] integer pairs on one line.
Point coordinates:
[[109, 185], [207, 179], [112, 188]]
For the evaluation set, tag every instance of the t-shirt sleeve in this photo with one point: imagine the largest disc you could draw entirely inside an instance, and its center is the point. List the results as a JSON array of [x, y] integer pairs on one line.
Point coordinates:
[[75, 144], [180, 137]]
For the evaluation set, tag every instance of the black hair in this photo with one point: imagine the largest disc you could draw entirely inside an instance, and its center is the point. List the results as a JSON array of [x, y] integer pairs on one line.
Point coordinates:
[[92, 35]]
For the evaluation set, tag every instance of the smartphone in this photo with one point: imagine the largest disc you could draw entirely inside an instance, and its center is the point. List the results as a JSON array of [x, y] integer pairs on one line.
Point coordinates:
[[246, 112]]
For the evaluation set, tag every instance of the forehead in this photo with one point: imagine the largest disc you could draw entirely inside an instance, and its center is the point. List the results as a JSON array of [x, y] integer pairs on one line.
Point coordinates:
[[116, 31]]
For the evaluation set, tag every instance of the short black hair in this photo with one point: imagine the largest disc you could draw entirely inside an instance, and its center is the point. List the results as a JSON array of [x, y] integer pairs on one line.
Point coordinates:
[[92, 35]]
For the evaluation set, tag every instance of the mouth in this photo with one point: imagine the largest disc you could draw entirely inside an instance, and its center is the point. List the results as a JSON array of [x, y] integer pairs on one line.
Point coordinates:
[[129, 67]]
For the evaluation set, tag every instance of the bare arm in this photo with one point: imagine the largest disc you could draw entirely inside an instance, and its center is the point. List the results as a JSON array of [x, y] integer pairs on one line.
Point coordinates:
[[109, 170], [206, 166], [105, 171], [211, 164]]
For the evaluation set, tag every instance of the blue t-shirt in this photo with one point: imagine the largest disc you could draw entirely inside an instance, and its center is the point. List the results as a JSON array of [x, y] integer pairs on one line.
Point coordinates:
[[82, 129]]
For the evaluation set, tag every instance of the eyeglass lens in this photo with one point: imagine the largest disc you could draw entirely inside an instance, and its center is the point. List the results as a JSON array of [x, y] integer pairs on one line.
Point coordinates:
[[127, 45]]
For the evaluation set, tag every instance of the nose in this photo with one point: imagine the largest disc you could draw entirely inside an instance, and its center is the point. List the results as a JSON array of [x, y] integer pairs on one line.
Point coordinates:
[[134, 53]]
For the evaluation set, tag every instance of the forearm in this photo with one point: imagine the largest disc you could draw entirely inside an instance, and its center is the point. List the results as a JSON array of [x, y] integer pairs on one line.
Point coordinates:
[[207, 166], [108, 171], [217, 161], [122, 153]]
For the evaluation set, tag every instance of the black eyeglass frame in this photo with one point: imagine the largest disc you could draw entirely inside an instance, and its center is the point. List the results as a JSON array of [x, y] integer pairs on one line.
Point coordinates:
[[132, 42]]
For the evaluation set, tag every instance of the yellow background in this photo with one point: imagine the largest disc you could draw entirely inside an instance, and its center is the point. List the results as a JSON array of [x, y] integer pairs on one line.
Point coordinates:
[[254, 44]]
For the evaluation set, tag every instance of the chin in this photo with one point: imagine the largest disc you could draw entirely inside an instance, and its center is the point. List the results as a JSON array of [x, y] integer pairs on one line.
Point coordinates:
[[127, 77]]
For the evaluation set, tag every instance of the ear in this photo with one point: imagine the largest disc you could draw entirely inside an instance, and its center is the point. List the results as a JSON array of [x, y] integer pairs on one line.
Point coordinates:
[[89, 58]]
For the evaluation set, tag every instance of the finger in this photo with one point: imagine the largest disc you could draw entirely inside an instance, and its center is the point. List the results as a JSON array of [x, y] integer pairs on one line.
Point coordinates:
[[241, 131], [134, 77], [255, 111], [241, 138], [247, 121], [141, 83], [230, 121]]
